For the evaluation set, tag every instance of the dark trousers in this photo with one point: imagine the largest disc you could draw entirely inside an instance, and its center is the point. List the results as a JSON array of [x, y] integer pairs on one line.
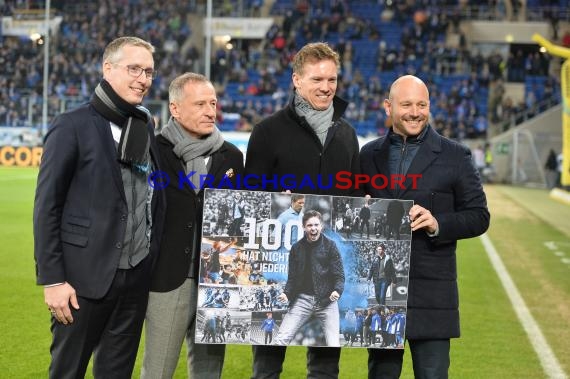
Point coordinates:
[[268, 337], [235, 227], [393, 231], [322, 362], [362, 225], [109, 327], [430, 359]]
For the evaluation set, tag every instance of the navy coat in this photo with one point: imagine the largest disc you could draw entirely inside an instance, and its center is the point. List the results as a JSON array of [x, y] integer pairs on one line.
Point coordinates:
[[80, 210], [450, 188]]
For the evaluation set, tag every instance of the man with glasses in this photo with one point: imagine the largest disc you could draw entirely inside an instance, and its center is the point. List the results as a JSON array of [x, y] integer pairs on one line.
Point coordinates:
[[136, 71], [98, 221]]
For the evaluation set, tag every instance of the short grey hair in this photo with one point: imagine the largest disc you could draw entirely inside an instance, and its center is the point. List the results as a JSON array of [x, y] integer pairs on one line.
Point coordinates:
[[176, 88], [114, 49]]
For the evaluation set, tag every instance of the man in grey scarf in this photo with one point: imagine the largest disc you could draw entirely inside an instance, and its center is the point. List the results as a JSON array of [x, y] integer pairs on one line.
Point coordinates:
[[309, 139], [191, 147]]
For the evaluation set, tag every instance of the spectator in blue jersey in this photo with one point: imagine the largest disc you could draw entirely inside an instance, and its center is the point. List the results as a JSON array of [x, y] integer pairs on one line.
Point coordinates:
[[375, 326], [267, 326], [293, 213]]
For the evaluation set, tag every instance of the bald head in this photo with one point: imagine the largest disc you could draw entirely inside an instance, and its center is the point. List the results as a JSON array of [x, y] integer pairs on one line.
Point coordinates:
[[408, 81], [408, 106]]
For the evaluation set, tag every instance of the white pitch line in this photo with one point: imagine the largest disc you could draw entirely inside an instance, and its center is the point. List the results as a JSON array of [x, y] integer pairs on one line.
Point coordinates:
[[548, 360], [19, 177]]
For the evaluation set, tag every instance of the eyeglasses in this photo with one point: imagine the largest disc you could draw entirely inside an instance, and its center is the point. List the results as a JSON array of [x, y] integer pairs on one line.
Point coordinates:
[[136, 71]]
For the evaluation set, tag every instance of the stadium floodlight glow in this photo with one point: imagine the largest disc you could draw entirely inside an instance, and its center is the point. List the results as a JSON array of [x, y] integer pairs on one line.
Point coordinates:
[[35, 36], [222, 40]]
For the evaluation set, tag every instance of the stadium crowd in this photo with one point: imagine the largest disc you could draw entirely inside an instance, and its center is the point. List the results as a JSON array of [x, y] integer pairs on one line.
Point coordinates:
[[253, 78]]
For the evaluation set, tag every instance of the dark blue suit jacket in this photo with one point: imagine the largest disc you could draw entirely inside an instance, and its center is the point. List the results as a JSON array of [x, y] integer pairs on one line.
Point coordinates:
[[80, 208], [451, 189]]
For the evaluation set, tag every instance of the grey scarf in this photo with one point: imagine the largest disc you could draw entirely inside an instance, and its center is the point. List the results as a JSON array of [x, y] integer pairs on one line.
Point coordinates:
[[320, 121], [191, 150]]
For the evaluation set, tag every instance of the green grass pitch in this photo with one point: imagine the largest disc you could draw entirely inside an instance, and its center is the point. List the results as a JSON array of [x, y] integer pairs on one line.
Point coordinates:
[[493, 343]]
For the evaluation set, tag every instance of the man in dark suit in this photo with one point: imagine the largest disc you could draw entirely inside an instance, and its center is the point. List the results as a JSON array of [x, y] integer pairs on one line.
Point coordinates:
[[365, 219], [237, 212], [97, 221], [449, 204], [189, 143], [394, 214], [382, 274]]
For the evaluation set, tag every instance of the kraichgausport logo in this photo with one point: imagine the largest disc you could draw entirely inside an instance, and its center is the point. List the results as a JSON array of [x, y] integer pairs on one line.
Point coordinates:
[[342, 180]]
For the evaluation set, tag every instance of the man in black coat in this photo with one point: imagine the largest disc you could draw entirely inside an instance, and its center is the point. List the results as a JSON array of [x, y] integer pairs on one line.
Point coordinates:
[[365, 219], [97, 220], [308, 141], [315, 281], [382, 274], [194, 154], [394, 214], [449, 204]]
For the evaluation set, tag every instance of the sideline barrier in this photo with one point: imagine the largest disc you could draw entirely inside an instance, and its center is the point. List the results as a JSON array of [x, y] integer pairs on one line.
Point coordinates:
[[21, 156], [30, 156]]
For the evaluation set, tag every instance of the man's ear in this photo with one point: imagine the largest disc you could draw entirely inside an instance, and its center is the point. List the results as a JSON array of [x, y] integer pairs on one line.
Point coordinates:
[[387, 107], [173, 109], [296, 80], [106, 68]]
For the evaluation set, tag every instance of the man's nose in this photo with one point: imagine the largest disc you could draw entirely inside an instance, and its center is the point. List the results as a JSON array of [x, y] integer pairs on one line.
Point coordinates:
[[325, 86], [211, 112], [415, 110]]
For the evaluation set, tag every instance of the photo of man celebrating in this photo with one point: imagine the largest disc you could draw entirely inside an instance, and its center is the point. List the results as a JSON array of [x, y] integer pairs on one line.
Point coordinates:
[[314, 284]]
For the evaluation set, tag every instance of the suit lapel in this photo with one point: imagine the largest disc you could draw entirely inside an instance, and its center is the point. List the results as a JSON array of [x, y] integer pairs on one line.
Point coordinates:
[[110, 151], [381, 161], [217, 166], [155, 158], [174, 166]]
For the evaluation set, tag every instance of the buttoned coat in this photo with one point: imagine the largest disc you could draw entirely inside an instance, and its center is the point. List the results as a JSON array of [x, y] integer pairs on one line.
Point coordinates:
[[450, 188], [285, 146]]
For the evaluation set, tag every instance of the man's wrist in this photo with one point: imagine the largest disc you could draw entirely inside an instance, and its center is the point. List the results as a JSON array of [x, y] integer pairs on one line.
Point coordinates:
[[53, 285], [435, 233]]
